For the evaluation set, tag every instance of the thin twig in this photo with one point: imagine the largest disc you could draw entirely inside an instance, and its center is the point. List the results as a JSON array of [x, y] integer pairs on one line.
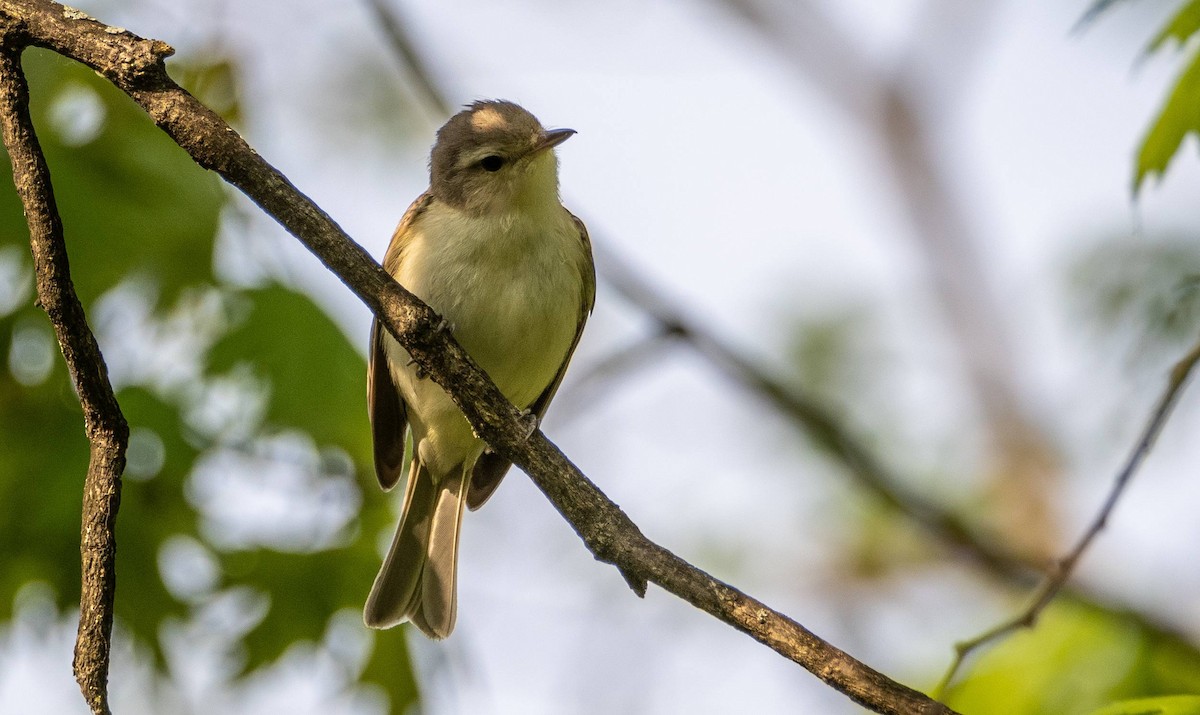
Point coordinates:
[[620, 362], [807, 38], [105, 425], [403, 47], [136, 66], [1065, 566]]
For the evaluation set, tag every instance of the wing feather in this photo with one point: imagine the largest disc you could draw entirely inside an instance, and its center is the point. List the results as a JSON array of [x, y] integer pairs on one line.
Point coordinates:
[[389, 417], [388, 413]]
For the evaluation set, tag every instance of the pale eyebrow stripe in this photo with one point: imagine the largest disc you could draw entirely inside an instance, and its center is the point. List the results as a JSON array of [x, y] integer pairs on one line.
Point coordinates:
[[488, 119]]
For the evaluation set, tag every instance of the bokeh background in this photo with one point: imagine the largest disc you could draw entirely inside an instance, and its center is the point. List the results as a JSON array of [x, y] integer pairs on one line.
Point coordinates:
[[916, 215]]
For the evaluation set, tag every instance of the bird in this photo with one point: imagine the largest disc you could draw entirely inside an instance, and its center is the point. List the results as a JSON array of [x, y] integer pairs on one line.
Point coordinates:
[[489, 247]]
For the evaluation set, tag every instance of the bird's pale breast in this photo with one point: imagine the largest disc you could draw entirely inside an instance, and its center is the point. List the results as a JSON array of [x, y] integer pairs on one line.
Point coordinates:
[[510, 288]]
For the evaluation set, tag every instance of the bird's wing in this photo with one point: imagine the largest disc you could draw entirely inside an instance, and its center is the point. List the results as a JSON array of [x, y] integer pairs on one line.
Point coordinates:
[[403, 233], [491, 468], [387, 411], [388, 414]]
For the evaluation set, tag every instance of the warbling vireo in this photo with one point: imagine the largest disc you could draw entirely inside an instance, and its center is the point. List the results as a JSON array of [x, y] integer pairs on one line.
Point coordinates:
[[492, 250]]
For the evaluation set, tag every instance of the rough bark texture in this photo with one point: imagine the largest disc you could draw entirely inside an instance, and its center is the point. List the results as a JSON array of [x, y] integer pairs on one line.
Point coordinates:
[[136, 66], [105, 425]]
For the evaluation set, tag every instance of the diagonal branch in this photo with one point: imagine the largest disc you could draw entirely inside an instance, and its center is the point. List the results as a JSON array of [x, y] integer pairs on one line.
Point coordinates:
[[136, 66], [622, 361], [807, 38], [107, 431], [402, 45], [1065, 566]]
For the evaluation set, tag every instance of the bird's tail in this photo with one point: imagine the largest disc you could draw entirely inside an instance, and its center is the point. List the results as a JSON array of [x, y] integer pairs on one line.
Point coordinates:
[[418, 578]]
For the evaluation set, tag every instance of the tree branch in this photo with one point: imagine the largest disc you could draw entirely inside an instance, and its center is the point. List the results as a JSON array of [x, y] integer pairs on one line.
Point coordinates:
[[136, 66], [589, 384], [402, 46], [107, 432], [807, 38], [1065, 566]]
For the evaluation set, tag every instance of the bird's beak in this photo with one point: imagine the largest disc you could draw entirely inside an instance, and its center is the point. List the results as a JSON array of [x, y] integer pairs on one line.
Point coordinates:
[[551, 139]]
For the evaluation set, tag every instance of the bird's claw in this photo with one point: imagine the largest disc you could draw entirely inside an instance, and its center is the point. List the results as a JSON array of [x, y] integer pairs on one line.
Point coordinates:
[[442, 326]]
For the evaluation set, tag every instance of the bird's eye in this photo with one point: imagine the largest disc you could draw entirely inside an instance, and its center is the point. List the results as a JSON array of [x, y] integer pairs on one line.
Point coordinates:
[[491, 162]]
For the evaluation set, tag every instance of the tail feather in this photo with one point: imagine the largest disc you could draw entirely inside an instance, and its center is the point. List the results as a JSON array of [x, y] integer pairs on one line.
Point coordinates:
[[397, 587], [437, 605], [418, 578]]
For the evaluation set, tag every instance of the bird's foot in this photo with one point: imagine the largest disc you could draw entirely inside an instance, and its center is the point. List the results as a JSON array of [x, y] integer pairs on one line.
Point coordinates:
[[442, 326]]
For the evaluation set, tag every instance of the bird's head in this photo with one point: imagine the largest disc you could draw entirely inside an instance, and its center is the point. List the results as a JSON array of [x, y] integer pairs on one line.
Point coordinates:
[[495, 157]]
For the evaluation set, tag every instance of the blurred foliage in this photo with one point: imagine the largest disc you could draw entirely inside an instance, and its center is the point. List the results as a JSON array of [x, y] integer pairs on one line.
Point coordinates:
[[1169, 705], [1149, 289], [1076, 660], [213, 379], [835, 354]]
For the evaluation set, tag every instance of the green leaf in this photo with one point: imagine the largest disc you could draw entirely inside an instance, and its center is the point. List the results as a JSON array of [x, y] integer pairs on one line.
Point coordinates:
[[43, 459], [1180, 114], [1077, 659], [1168, 705], [1181, 27], [1178, 118], [315, 378], [305, 591]]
